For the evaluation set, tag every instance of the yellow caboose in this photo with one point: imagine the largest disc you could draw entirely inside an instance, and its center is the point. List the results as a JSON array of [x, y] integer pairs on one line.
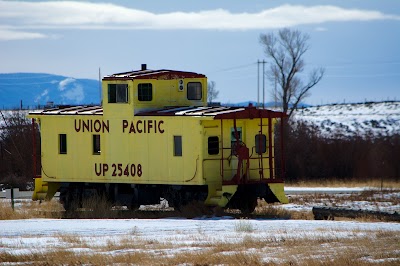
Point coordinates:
[[155, 137]]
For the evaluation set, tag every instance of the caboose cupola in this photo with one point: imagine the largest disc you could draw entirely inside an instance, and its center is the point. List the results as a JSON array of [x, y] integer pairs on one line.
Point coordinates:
[[146, 90]]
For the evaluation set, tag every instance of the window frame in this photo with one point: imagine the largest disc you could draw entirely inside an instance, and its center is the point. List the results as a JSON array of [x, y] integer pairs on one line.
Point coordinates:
[[257, 143], [62, 143], [193, 96], [96, 144], [115, 92], [213, 142], [178, 149], [144, 97]]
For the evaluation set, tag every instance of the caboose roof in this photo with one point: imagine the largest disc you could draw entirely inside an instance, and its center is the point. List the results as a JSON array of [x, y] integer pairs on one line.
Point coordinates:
[[217, 112], [153, 74], [70, 110]]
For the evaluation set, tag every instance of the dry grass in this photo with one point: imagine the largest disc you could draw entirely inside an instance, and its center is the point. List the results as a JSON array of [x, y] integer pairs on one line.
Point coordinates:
[[363, 248], [26, 209], [97, 207], [244, 226], [389, 196], [274, 211], [373, 200], [324, 248], [380, 183]]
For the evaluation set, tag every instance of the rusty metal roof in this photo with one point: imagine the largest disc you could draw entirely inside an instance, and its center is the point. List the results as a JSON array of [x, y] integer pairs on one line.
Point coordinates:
[[71, 110], [153, 74], [218, 112]]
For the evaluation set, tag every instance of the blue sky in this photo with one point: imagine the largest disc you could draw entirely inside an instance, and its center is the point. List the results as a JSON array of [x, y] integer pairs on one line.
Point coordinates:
[[356, 41]]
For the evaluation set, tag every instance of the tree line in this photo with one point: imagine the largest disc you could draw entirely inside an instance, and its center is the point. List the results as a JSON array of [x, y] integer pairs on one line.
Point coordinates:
[[310, 156], [16, 148]]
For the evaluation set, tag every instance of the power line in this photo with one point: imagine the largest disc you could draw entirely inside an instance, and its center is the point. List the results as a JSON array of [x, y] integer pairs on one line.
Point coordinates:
[[234, 68]]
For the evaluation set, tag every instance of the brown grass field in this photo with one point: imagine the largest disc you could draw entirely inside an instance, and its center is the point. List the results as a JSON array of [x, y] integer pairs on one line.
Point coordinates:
[[133, 250], [376, 247]]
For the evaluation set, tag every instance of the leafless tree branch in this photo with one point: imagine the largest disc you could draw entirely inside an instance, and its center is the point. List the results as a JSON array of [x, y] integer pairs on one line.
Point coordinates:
[[285, 51]]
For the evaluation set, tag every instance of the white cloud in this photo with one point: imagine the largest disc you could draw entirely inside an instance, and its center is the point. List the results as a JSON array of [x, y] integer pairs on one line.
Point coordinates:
[[320, 29], [18, 17], [44, 95], [63, 83], [10, 35], [76, 94]]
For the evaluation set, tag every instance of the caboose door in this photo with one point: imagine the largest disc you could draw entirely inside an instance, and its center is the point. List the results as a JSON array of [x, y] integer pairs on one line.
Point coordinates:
[[212, 151], [236, 138]]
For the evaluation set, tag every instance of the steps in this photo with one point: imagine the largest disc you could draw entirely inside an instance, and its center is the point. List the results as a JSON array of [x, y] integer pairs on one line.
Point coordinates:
[[278, 190], [222, 196], [41, 189], [217, 198], [44, 190]]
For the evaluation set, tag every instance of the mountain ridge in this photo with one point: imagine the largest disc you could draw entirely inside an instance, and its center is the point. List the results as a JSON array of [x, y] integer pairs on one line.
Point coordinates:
[[37, 89]]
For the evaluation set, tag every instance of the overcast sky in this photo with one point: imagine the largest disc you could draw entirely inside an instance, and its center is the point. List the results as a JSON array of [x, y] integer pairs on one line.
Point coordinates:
[[356, 41]]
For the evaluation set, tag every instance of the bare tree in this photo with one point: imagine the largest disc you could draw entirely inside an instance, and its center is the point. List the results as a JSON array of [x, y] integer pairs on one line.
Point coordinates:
[[212, 92], [16, 149], [285, 51]]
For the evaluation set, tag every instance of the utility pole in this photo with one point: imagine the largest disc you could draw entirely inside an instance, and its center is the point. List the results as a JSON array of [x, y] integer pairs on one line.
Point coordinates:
[[263, 62], [258, 83], [275, 96], [101, 96]]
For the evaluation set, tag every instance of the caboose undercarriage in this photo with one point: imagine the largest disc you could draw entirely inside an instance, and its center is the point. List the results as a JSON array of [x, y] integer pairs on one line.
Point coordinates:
[[72, 195], [242, 196]]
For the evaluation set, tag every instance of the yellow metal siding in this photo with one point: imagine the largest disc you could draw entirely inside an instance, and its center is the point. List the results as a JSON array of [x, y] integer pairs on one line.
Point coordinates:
[[151, 151], [165, 93]]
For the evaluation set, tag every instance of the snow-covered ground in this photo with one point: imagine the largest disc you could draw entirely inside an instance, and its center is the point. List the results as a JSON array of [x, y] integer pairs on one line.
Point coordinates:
[[223, 228], [357, 198], [174, 236], [163, 238], [382, 118]]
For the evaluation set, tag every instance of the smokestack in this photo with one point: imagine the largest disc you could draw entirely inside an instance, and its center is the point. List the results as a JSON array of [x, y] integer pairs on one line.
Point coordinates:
[[144, 66]]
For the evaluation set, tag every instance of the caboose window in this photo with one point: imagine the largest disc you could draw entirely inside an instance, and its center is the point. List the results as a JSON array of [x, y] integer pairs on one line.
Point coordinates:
[[194, 91], [62, 143], [96, 144], [177, 145], [261, 143], [145, 92], [213, 145], [117, 93]]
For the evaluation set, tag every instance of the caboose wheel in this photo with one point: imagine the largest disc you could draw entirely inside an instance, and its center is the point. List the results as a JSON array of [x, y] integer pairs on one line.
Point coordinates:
[[248, 206], [134, 206], [67, 200], [196, 209]]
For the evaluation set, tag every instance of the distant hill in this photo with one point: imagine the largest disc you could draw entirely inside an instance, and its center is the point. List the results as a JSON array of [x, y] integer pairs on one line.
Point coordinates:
[[35, 89], [356, 119]]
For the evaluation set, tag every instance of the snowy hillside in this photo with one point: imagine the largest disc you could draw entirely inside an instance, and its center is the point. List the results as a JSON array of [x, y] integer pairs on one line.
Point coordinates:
[[381, 118], [35, 89]]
